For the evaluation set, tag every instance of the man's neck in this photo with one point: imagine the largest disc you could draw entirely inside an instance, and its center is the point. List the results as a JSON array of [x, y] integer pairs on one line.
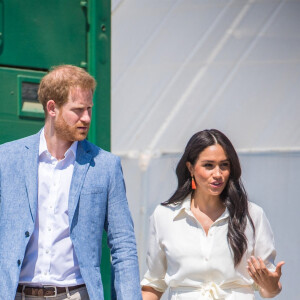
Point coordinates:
[[56, 146]]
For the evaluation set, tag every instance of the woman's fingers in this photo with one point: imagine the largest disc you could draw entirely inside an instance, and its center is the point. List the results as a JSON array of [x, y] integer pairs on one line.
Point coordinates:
[[253, 268], [256, 267], [252, 275], [263, 268], [258, 270], [267, 281], [278, 267]]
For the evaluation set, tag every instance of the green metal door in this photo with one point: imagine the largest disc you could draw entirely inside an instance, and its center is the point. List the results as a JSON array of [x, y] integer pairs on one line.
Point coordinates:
[[40, 34], [14, 123], [35, 35]]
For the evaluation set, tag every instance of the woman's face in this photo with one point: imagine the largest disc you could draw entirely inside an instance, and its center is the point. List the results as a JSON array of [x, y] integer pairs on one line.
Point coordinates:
[[211, 171]]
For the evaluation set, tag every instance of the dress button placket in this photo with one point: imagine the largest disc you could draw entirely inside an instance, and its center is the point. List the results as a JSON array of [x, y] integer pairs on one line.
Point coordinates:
[[209, 240]]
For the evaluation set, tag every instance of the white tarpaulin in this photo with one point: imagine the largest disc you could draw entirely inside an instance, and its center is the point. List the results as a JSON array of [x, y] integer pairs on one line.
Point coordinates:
[[182, 66]]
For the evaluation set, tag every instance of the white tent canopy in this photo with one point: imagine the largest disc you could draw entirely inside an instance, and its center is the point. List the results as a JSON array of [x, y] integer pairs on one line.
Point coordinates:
[[182, 66]]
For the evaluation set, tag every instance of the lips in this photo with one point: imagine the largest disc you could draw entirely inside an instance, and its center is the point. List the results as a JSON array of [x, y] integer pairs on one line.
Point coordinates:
[[217, 184], [82, 128]]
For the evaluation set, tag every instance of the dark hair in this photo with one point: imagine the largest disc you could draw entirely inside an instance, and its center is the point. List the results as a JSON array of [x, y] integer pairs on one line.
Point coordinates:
[[233, 196]]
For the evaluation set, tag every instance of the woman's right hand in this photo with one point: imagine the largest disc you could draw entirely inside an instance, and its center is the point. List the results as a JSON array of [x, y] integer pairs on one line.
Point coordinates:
[[268, 281]]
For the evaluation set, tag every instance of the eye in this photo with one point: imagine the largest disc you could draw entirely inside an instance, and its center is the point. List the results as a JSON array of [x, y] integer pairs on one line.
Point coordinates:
[[208, 165], [225, 165], [78, 110]]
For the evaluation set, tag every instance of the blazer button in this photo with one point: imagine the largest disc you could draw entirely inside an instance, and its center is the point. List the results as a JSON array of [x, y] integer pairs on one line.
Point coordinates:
[[27, 234], [19, 262]]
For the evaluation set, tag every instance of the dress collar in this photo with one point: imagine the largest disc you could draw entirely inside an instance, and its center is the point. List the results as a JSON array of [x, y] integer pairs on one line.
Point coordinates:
[[185, 206]]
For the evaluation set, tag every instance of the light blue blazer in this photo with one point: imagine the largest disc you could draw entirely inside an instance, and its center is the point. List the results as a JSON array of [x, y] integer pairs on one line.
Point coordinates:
[[97, 202]]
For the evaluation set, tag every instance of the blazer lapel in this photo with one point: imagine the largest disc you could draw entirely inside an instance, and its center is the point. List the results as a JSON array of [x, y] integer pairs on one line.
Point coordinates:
[[81, 165], [31, 157]]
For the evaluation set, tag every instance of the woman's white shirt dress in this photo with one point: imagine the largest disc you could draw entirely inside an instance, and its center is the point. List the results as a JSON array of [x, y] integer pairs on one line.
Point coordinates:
[[198, 266]]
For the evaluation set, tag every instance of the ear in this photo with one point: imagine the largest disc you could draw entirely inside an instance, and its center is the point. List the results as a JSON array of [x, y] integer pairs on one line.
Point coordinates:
[[51, 108], [190, 167]]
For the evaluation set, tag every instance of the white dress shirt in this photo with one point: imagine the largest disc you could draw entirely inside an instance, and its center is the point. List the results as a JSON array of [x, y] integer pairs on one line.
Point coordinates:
[[198, 266], [50, 258]]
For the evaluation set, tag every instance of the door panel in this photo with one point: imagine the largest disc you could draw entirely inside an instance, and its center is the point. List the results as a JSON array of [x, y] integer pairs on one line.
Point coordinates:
[[18, 113], [40, 34]]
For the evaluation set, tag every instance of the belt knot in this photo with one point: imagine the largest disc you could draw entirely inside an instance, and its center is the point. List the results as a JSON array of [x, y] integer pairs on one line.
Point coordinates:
[[212, 291]]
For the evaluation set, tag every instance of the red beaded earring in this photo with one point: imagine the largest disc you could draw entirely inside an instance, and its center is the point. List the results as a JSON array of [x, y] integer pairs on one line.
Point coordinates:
[[193, 183]]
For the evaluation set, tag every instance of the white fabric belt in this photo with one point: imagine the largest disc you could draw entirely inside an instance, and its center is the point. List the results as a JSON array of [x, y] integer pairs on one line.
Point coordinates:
[[210, 290]]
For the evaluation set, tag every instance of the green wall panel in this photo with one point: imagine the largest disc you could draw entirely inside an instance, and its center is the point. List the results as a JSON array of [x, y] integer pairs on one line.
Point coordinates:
[[40, 34], [35, 35], [12, 124], [10, 130]]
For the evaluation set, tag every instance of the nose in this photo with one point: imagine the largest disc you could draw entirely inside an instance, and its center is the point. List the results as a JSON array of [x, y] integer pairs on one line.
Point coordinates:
[[86, 116], [217, 172]]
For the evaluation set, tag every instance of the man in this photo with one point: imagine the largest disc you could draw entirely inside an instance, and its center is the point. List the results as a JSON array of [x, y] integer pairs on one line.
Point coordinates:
[[57, 194]]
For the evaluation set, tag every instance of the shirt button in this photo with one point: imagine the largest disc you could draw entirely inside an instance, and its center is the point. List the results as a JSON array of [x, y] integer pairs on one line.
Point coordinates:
[[47, 251], [19, 262], [27, 233], [49, 229], [45, 273], [206, 258]]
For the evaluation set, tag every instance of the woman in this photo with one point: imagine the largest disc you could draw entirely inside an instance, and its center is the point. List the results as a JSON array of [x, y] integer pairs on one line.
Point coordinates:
[[207, 241]]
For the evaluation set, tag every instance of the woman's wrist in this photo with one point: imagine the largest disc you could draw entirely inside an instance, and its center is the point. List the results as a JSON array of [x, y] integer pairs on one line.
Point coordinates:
[[270, 294]]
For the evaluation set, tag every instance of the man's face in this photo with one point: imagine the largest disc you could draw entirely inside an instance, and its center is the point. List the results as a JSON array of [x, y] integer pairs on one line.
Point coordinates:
[[74, 117]]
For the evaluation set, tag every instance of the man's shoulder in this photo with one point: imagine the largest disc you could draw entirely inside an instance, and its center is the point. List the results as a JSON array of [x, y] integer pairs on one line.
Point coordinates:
[[17, 145], [99, 153]]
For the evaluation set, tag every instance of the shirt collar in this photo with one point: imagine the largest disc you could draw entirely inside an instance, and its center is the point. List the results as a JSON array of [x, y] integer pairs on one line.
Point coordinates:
[[73, 149], [44, 149], [185, 206]]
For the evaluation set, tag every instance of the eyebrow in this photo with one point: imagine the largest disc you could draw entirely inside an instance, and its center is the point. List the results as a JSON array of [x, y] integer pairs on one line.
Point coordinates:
[[83, 106], [225, 160]]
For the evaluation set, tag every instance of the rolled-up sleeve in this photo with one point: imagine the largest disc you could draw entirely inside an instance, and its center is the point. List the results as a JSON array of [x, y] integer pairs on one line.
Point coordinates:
[[156, 260], [264, 242]]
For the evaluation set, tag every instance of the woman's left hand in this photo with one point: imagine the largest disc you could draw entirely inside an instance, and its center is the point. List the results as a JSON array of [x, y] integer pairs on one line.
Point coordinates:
[[268, 281]]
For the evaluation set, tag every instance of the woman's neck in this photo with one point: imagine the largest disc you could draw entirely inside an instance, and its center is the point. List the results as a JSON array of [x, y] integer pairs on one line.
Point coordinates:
[[207, 203], [207, 210]]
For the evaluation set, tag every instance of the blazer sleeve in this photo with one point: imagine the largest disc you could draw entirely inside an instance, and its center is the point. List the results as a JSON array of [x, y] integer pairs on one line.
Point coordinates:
[[121, 239]]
